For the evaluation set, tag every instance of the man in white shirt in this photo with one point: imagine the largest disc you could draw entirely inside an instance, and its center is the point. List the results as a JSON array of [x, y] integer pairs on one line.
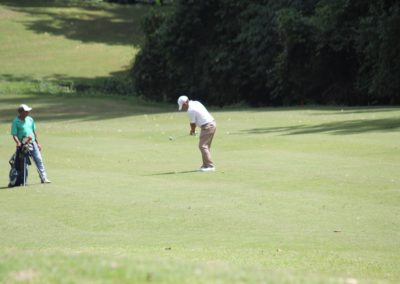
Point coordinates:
[[200, 117]]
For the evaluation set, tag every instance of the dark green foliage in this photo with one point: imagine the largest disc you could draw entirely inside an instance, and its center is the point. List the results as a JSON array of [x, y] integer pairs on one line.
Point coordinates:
[[378, 47], [269, 52], [122, 1]]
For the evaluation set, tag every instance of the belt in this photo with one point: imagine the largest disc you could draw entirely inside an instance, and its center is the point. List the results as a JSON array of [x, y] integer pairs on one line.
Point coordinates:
[[204, 125]]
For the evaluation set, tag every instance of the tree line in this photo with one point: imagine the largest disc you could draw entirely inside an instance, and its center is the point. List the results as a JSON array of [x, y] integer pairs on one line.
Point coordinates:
[[267, 52]]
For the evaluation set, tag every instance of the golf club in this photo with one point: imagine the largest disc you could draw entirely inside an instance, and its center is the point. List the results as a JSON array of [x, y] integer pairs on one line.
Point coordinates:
[[25, 170], [25, 152]]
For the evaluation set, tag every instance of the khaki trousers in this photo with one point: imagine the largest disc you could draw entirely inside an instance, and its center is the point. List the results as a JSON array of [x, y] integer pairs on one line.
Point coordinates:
[[206, 136]]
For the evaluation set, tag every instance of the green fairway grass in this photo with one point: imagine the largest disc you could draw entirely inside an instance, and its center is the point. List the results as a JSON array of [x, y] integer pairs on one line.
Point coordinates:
[[300, 195]]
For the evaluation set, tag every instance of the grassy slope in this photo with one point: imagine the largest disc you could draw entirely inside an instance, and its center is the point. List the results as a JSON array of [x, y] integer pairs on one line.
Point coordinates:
[[300, 195], [60, 41]]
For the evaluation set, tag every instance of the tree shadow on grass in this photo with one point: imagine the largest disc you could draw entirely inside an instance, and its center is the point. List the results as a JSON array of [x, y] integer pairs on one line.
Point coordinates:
[[357, 110], [51, 102], [85, 22], [335, 128], [78, 108]]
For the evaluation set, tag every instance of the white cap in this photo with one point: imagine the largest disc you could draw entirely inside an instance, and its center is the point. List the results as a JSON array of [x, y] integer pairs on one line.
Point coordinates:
[[24, 107], [182, 100]]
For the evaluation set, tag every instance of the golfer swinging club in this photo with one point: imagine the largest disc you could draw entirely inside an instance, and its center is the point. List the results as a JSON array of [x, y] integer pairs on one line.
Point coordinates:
[[24, 126], [199, 116]]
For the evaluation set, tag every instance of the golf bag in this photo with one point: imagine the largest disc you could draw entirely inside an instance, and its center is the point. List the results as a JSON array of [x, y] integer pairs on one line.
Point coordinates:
[[19, 164]]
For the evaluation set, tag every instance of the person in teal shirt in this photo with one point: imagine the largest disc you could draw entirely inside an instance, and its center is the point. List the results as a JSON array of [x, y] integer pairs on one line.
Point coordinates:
[[24, 126]]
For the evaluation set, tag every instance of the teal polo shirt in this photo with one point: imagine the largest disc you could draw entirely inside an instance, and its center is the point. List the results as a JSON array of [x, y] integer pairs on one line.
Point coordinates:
[[23, 129]]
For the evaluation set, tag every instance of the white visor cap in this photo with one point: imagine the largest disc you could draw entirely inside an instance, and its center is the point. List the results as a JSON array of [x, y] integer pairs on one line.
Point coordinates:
[[181, 101], [24, 107]]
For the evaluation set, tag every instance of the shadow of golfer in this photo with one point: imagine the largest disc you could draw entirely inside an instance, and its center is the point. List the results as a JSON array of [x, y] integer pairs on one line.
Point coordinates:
[[173, 173], [21, 186]]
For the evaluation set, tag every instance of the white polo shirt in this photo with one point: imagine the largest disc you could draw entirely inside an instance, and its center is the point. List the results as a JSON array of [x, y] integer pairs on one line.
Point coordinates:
[[198, 114]]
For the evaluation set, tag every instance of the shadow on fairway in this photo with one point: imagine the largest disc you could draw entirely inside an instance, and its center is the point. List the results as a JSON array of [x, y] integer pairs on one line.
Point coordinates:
[[357, 110], [83, 21], [58, 108], [173, 173], [336, 128], [51, 103], [21, 187]]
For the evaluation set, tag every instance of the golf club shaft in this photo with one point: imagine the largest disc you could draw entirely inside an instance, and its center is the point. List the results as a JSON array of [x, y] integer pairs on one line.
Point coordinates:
[[24, 171]]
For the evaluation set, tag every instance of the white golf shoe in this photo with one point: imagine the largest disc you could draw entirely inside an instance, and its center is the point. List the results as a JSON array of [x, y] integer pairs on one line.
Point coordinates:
[[46, 180], [207, 169]]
